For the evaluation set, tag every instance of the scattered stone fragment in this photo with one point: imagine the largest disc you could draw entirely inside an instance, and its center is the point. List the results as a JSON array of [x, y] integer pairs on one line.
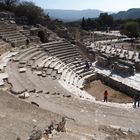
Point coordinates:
[[36, 135], [24, 95], [34, 103], [67, 96], [43, 138], [61, 126], [40, 91], [51, 127], [33, 90], [34, 120], [37, 95], [47, 92], [54, 93]]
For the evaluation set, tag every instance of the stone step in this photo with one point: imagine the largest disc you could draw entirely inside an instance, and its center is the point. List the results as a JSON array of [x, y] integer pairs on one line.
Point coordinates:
[[52, 65], [54, 73], [62, 68], [47, 63], [42, 64], [58, 66], [49, 71]]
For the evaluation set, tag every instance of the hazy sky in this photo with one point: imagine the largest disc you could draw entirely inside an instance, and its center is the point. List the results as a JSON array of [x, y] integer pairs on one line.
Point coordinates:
[[105, 5]]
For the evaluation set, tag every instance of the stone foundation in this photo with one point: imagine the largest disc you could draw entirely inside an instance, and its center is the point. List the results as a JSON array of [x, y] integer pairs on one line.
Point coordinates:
[[137, 65], [102, 61], [123, 69], [117, 85]]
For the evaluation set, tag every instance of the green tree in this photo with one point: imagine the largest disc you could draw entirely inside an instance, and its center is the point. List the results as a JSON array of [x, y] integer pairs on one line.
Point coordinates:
[[106, 20], [83, 24], [8, 5], [9, 2], [131, 29], [88, 24], [29, 10]]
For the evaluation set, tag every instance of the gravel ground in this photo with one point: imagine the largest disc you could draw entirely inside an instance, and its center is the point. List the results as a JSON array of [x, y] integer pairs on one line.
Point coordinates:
[[85, 120], [18, 118]]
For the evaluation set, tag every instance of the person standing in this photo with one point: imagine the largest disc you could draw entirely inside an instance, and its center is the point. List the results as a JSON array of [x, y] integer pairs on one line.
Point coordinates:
[[27, 42], [87, 65], [112, 70], [105, 96], [136, 100], [139, 55]]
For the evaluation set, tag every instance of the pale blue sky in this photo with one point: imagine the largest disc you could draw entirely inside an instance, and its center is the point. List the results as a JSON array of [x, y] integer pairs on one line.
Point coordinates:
[[105, 5]]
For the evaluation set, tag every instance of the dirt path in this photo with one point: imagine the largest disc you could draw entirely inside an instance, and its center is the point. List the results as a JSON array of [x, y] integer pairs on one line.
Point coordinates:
[[18, 118], [90, 116], [85, 120]]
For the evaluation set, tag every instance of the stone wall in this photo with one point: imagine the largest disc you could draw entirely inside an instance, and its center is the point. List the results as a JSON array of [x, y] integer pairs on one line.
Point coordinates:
[[117, 85], [84, 52], [7, 15], [123, 69], [34, 31], [102, 61], [119, 66], [137, 65]]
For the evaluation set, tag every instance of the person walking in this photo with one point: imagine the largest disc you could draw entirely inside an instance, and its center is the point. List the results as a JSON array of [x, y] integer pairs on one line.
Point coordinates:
[[105, 96], [136, 100]]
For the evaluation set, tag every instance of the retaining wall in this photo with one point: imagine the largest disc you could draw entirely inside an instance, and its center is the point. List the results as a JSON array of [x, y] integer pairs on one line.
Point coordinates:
[[130, 91]]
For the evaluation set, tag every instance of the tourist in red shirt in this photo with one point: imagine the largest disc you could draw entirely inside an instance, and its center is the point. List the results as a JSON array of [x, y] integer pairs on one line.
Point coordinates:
[[105, 96]]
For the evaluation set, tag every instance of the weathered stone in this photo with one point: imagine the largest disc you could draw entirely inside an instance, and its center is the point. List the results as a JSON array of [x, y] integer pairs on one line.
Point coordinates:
[[123, 69], [50, 128], [137, 65], [61, 125], [102, 61], [34, 103], [24, 95], [43, 138], [47, 92], [54, 132], [36, 135]]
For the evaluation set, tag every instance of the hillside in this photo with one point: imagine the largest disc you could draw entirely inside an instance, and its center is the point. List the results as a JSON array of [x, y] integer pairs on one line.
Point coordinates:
[[130, 14], [72, 15]]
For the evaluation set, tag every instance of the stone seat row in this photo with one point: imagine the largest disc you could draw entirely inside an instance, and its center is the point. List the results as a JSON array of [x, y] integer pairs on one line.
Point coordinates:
[[68, 47], [10, 34], [73, 72], [61, 67]]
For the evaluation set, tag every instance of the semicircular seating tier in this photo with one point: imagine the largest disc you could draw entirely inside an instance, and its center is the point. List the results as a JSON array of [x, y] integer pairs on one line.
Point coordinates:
[[68, 61], [10, 33], [61, 60]]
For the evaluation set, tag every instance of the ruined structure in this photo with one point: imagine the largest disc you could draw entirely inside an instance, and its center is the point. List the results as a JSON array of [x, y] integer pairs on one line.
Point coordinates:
[[10, 34], [121, 61]]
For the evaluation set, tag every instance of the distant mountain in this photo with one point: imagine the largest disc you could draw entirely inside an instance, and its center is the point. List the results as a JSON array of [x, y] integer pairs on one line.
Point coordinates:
[[130, 14], [72, 15]]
